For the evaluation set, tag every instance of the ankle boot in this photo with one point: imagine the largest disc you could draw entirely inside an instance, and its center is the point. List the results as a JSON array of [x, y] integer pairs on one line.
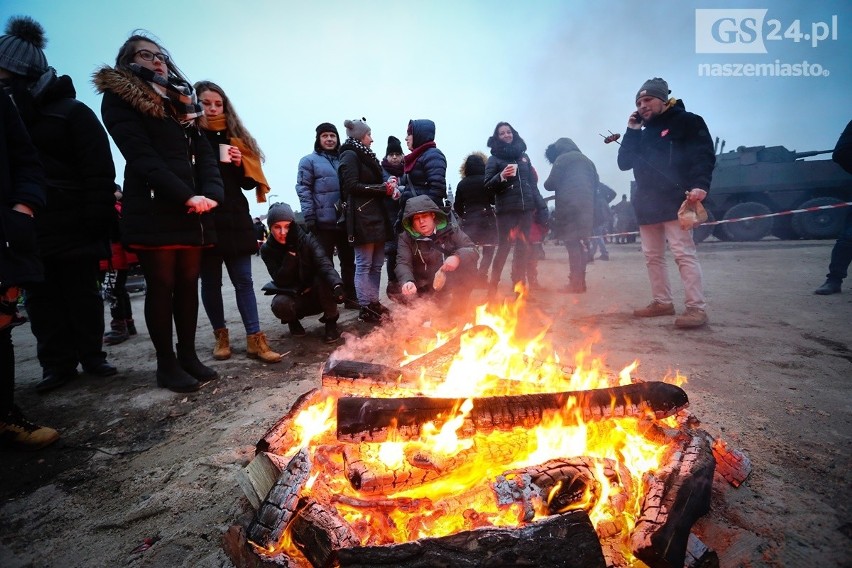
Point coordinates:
[[222, 349], [331, 332], [188, 359], [258, 348], [117, 332], [171, 376], [131, 327]]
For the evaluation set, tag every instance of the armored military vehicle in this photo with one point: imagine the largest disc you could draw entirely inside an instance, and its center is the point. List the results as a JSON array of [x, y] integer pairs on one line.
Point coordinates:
[[757, 180]]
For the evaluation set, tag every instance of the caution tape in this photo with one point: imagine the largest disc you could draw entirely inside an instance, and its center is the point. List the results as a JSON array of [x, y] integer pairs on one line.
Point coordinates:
[[749, 218]]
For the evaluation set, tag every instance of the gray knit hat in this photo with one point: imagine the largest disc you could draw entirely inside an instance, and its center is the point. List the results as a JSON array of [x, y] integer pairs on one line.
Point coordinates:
[[655, 87], [21, 48], [279, 212], [356, 128]]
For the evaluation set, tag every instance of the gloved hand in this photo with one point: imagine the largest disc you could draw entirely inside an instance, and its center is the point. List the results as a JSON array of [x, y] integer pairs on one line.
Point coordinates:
[[338, 293], [311, 226]]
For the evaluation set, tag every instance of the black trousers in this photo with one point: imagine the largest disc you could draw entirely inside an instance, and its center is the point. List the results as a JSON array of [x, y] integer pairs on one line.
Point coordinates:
[[67, 314], [7, 372], [513, 231], [318, 299], [331, 239]]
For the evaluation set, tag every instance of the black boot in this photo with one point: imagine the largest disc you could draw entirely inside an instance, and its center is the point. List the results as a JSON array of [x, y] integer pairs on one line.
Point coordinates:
[[828, 287], [331, 332], [117, 333], [171, 376], [188, 359]]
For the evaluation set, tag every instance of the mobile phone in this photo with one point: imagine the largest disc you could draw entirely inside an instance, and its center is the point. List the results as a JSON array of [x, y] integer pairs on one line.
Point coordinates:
[[637, 117]]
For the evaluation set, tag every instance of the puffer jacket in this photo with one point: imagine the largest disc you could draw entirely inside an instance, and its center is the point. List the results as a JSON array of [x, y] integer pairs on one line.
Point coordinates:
[[419, 257], [79, 172], [166, 165], [21, 181], [517, 194], [574, 180], [295, 265], [235, 230], [474, 205], [318, 188], [362, 187], [428, 174], [672, 154]]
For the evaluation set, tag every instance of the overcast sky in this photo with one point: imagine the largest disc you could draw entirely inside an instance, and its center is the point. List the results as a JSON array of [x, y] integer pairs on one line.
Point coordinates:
[[551, 68]]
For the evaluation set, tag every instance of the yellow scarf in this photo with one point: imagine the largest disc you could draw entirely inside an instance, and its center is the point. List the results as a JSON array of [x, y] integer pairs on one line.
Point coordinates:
[[251, 161]]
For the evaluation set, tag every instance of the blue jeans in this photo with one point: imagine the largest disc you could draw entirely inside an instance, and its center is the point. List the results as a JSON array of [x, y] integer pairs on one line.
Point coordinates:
[[369, 259], [239, 271]]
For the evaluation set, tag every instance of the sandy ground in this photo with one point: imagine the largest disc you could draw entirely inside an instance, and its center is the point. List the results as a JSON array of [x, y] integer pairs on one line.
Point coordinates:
[[770, 375]]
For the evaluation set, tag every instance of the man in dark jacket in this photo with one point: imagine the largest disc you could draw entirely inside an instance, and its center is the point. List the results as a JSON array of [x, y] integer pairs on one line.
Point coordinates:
[[304, 281], [841, 254], [21, 194], [66, 310], [431, 251], [318, 188], [671, 154]]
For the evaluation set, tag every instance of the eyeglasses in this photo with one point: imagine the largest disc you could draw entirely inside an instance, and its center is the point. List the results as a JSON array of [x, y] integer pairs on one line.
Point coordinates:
[[147, 55]]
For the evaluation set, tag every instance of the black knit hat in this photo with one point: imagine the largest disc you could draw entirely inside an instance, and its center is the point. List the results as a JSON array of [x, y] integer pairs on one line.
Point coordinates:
[[394, 146], [322, 128], [655, 87], [327, 127], [21, 48]]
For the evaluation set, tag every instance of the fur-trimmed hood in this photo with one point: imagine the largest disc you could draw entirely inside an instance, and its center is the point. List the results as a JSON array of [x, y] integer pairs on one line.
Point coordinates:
[[473, 165], [131, 89]]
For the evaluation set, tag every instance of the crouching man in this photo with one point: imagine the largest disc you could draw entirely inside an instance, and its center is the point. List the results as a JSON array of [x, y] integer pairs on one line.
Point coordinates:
[[432, 252], [304, 281]]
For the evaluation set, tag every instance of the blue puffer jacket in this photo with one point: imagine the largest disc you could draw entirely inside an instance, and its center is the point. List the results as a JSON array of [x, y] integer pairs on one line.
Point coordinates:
[[318, 188]]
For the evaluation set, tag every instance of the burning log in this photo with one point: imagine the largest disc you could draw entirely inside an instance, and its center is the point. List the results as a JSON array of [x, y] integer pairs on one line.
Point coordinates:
[[437, 361], [560, 541], [731, 464], [281, 503], [279, 438], [319, 533], [673, 502], [361, 419], [243, 555]]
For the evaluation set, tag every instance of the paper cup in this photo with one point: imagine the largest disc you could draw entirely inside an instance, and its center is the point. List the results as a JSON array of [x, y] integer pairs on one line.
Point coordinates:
[[224, 153], [514, 169]]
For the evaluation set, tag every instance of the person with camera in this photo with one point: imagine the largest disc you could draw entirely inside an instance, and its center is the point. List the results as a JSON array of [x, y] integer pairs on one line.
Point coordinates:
[[671, 154]]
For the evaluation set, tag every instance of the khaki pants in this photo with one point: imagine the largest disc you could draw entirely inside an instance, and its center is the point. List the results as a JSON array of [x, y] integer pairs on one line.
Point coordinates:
[[654, 239]]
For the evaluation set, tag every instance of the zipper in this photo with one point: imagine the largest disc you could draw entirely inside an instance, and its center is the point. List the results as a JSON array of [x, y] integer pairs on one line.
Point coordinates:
[[361, 208]]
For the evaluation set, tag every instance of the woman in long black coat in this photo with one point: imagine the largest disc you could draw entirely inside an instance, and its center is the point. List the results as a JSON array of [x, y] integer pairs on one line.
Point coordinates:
[[171, 186], [475, 207]]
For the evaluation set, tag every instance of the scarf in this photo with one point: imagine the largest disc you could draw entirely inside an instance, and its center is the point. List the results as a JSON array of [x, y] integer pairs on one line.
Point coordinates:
[[177, 93], [394, 170], [510, 152], [359, 147], [411, 158], [251, 161]]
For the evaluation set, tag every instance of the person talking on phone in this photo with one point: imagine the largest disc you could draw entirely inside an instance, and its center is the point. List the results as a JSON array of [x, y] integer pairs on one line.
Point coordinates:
[[671, 154]]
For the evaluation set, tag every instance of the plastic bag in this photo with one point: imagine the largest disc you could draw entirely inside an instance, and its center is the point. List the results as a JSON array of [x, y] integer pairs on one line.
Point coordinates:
[[691, 214]]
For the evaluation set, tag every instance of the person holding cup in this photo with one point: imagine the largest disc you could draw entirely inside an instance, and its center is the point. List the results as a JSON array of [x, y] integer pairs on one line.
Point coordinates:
[[240, 160], [171, 186], [511, 177]]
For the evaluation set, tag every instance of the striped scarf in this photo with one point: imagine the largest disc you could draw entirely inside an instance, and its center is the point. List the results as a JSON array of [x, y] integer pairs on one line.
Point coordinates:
[[178, 94]]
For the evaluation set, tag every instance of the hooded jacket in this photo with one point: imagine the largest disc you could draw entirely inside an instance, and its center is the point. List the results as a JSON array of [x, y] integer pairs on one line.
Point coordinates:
[[295, 265], [474, 204], [79, 172], [671, 154], [517, 194], [166, 165], [428, 174], [318, 186], [574, 180], [419, 257]]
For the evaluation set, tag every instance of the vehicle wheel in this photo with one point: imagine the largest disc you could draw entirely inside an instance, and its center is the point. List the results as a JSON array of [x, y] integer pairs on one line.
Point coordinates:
[[782, 228], [823, 224], [752, 230], [703, 231]]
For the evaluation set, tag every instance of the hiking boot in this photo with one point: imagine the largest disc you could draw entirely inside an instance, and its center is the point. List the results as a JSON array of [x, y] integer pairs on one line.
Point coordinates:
[[655, 309], [692, 317], [19, 433], [118, 332], [55, 378], [222, 348], [296, 329], [828, 287], [258, 348]]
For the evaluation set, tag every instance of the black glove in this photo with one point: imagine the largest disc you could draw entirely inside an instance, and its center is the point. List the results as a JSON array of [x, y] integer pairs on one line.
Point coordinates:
[[311, 226], [338, 293]]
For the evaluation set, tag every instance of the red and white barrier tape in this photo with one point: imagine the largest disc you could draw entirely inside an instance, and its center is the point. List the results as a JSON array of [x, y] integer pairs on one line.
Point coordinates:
[[738, 219]]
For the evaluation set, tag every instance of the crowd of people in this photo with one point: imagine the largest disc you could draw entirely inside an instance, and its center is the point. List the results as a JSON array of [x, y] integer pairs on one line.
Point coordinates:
[[182, 214]]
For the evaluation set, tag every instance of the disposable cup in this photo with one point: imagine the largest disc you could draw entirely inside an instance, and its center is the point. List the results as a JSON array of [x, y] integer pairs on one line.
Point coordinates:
[[224, 153]]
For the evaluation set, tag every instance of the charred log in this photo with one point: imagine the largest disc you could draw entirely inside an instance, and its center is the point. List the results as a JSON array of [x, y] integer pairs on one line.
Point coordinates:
[[561, 541], [361, 419], [279, 438], [319, 533], [731, 464], [243, 555], [674, 500]]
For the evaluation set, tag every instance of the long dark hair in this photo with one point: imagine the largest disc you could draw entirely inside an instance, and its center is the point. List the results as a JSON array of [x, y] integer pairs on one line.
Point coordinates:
[[494, 140], [128, 49], [232, 119]]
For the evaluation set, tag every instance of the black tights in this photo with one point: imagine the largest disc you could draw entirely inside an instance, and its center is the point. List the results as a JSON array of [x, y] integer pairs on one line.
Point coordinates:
[[171, 280]]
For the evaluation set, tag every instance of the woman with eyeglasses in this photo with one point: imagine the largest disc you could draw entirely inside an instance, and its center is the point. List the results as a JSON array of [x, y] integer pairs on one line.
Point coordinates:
[[171, 186], [239, 164]]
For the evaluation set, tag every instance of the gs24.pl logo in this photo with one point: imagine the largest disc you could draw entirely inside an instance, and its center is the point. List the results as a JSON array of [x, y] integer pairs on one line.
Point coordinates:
[[747, 31]]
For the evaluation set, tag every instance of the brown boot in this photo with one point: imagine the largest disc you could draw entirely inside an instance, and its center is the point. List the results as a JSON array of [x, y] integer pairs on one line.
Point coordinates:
[[258, 348], [692, 317], [222, 349], [19, 433], [655, 309]]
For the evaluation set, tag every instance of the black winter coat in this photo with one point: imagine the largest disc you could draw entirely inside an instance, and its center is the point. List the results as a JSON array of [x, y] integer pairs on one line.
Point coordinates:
[[295, 265], [516, 194], [79, 172], [21, 181], [235, 231], [362, 188], [166, 165], [672, 154], [474, 205]]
